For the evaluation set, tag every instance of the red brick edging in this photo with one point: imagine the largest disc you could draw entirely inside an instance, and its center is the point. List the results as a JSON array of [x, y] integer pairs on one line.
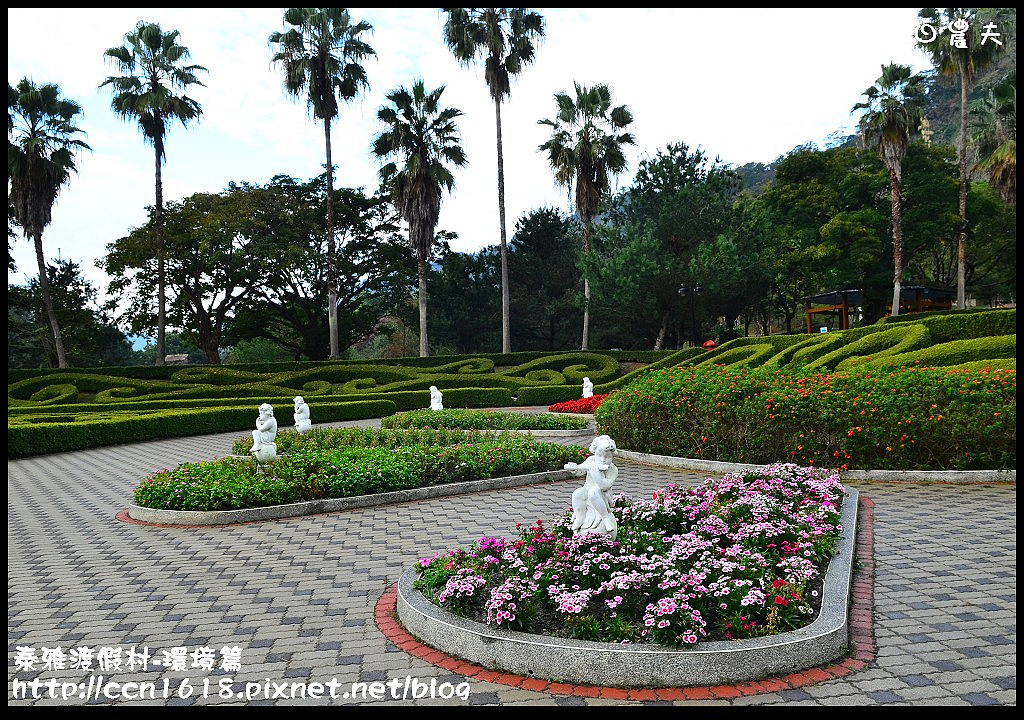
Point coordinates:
[[861, 640]]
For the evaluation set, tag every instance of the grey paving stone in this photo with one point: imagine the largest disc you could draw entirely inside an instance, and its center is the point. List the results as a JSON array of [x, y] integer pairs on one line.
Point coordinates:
[[298, 595]]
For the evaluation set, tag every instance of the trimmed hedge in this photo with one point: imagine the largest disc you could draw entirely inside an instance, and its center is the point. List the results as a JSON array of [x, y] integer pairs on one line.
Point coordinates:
[[957, 352], [891, 341], [27, 439]]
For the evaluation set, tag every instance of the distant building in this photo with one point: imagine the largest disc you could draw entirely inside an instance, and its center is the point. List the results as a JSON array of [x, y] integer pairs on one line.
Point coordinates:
[[176, 359]]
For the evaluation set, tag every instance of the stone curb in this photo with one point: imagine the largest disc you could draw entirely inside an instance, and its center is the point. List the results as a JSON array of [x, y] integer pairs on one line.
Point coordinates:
[[928, 476], [315, 507], [629, 666]]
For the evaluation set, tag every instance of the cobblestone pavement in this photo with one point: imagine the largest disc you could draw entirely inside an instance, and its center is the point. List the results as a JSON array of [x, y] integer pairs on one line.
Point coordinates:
[[297, 596]]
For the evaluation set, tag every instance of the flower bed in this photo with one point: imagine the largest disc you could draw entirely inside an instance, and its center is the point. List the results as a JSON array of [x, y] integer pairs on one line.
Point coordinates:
[[891, 419], [481, 420], [583, 405], [735, 558], [321, 473]]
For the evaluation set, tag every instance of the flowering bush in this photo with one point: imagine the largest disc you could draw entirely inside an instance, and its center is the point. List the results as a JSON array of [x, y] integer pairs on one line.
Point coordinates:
[[583, 405], [739, 557], [909, 418]]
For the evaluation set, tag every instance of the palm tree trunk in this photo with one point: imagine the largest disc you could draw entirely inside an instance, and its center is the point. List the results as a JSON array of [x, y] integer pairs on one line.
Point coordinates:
[[421, 271], [332, 270], [897, 241], [586, 292], [161, 280], [44, 285], [506, 337], [961, 235]]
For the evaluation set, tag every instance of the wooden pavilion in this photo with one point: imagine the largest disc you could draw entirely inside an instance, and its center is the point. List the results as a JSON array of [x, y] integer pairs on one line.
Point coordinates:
[[844, 303]]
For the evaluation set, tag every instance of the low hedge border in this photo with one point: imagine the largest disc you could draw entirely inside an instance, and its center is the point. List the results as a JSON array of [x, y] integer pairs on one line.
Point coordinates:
[[27, 440]]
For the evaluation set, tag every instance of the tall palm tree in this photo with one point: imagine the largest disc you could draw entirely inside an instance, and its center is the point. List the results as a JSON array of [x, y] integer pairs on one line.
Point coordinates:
[[892, 114], [321, 54], [586, 143], [963, 57], [419, 141], [151, 92], [504, 38], [41, 147], [993, 130]]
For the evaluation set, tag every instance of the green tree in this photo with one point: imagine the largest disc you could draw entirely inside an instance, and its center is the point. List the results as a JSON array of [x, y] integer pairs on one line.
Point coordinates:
[[993, 130], [91, 339], [892, 113], [41, 147], [372, 262], [464, 308], [650, 237], [422, 138], [504, 39], [321, 54], [151, 92], [956, 41], [586, 142], [543, 259]]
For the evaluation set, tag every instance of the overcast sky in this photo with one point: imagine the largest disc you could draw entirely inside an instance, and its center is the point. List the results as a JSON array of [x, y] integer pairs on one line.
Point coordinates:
[[747, 85]]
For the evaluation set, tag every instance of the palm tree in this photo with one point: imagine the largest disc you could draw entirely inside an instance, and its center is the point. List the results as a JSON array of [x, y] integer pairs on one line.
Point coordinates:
[[993, 130], [586, 145], [321, 55], [958, 47], [422, 138], [892, 114], [151, 61], [41, 146], [504, 38]]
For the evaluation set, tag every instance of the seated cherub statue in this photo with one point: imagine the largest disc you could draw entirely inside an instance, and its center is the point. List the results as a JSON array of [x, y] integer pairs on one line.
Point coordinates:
[[588, 388], [264, 446], [435, 399], [591, 504], [302, 421]]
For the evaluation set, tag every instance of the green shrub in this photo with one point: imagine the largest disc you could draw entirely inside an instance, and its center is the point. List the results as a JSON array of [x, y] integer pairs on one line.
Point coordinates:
[[231, 484], [481, 420], [27, 439], [898, 419], [892, 341], [945, 354]]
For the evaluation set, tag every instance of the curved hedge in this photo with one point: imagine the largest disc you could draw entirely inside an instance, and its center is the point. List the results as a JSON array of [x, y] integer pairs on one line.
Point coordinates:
[[29, 438]]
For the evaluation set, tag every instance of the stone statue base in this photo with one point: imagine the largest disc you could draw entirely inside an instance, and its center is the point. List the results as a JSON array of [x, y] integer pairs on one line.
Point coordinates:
[[265, 453]]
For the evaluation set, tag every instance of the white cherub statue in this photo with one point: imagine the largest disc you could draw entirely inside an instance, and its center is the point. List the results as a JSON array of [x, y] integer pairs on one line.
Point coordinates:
[[302, 421], [435, 399], [264, 447], [588, 388], [591, 504]]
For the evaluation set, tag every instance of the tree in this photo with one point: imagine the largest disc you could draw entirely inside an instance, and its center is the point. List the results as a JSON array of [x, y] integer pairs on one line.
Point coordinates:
[[959, 44], [212, 265], [321, 55], [892, 113], [464, 307], [504, 38], [586, 146], [543, 260], [41, 147], [423, 138], [148, 92], [91, 339], [372, 262], [993, 129]]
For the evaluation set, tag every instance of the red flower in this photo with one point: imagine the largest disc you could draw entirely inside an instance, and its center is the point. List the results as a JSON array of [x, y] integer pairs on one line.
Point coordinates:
[[779, 600]]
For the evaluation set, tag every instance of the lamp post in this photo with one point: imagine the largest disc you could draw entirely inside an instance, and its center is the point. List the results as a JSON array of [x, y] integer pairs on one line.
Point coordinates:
[[689, 291]]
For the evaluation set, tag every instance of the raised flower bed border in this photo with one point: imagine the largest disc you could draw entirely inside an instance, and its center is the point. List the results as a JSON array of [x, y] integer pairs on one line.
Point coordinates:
[[643, 666]]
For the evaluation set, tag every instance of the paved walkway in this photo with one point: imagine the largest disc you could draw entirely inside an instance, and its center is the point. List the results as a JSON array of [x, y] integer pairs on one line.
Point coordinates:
[[297, 596]]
